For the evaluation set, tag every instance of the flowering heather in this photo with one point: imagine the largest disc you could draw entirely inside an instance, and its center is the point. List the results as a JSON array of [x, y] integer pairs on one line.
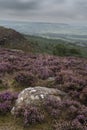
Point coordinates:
[[69, 111], [30, 115], [6, 101], [69, 74], [26, 79], [5, 107], [67, 125], [5, 67]]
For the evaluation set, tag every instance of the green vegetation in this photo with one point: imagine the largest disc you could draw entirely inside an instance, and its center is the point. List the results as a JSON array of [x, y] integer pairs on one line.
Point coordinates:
[[19, 70], [12, 39], [63, 50], [56, 47]]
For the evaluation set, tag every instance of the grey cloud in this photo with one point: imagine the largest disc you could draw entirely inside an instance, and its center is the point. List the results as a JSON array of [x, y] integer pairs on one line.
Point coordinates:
[[49, 10], [60, 1], [81, 9], [18, 5]]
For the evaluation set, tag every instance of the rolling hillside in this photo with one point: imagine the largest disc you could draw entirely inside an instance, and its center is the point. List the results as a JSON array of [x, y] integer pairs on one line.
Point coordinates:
[[10, 38], [52, 82]]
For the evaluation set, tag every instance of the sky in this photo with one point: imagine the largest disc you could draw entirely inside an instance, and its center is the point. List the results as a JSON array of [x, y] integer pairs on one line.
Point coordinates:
[[65, 11]]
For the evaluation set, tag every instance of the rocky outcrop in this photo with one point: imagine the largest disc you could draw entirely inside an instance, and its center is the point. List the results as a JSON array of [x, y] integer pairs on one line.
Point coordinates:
[[35, 96]]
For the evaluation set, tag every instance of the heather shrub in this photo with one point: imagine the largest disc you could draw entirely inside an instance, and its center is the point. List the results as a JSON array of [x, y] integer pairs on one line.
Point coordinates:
[[5, 67], [83, 95], [76, 125], [25, 79], [68, 110], [74, 94], [45, 72], [69, 80], [5, 107], [67, 125], [6, 101], [30, 115], [70, 76]]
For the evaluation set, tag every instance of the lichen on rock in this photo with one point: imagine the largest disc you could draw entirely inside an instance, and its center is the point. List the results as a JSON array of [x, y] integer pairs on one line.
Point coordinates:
[[36, 96]]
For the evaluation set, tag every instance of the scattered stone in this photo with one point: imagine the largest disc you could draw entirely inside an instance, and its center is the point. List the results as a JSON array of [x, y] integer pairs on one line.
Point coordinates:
[[51, 79]]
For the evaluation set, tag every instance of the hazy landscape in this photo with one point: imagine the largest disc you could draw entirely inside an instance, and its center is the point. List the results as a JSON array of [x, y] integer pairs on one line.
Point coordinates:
[[43, 64], [70, 32], [43, 81]]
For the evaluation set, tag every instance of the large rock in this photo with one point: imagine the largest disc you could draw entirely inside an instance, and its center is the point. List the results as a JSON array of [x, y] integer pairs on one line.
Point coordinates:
[[35, 96]]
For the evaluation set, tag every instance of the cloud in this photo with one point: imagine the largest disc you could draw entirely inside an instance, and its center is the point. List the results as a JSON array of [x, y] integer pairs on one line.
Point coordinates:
[[44, 10], [19, 4]]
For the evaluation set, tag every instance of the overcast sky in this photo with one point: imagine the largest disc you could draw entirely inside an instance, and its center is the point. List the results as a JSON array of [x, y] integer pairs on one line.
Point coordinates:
[[44, 10]]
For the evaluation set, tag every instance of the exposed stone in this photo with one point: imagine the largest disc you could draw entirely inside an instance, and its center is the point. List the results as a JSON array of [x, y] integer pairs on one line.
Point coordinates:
[[36, 96], [50, 79], [16, 50]]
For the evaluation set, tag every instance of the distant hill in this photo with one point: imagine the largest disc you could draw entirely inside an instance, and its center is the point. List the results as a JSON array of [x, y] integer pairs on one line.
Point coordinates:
[[70, 32], [10, 35], [57, 47], [10, 38]]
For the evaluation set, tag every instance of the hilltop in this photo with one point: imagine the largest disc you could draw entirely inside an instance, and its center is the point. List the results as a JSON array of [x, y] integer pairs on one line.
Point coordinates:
[[10, 38]]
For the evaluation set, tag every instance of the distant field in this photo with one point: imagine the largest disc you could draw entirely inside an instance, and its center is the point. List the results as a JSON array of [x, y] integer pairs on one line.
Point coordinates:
[[71, 32], [57, 46], [67, 37], [36, 44]]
